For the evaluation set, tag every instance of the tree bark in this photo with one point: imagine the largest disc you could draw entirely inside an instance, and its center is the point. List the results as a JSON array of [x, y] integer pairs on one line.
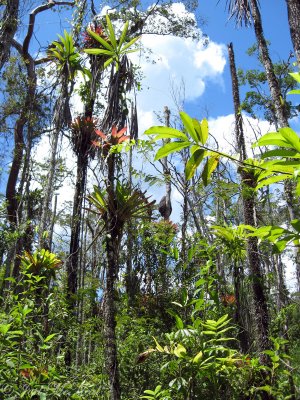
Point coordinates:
[[249, 210], [279, 109], [279, 106], [9, 26], [72, 264], [293, 8], [113, 237]]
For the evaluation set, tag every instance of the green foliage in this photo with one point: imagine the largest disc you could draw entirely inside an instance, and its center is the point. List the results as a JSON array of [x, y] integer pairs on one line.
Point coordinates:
[[258, 101], [110, 47], [233, 239], [127, 203], [157, 393], [194, 137], [278, 236], [25, 350], [67, 58], [296, 77], [198, 360], [287, 166], [40, 262]]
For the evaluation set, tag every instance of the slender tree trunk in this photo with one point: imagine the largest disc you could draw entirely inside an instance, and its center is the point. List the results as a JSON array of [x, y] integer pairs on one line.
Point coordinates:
[[82, 152], [279, 106], [293, 8], [166, 171], [45, 216], [243, 335], [280, 110], [9, 25], [130, 281], [130, 276], [72, 264], [110, 314], [61, 118], [113, 236], [185, 214], [249, 208], [13, 200]]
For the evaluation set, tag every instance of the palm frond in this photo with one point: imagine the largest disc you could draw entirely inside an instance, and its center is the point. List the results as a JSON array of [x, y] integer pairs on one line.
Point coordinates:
[[240, 10]]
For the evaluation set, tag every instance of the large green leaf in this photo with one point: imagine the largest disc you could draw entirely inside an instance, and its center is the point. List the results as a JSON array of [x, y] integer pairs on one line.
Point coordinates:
[[123, 35], [277, 166], [273, 139], [170, 148], [180, 351], [129, 44], [281, 153], [189, 126], [108, 62], [112, 36], [98, 51], [210, 166], [295, 91], [99, 39], [295, 75], [273, 179], [201, 129], [193, 163], [291, 137], [296, 224], [165, 132]]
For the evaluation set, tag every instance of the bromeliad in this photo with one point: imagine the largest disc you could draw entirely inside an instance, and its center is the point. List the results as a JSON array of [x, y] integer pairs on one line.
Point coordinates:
[[110, 140]]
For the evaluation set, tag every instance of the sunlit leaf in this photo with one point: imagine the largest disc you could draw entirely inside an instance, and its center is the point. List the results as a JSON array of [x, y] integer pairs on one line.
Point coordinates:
[[296, 224], [291, 137], [123, 34], [210, 166], [273, 139], [189, 126], [295, 75], [180, 351], [273, 179], [98, 51], [129, 44], [99, 39], [281, 153], [165, 132], [198, 357], [170, 148], [112, 36], [193, 163]]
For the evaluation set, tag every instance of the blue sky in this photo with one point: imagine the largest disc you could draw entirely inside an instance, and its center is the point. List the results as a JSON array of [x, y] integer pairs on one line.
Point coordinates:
[[208, 84], [220, 29], [216, 98], [204, 71]]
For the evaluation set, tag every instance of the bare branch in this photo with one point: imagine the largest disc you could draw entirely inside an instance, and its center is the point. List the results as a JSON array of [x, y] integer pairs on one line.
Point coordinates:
[[34, 13]]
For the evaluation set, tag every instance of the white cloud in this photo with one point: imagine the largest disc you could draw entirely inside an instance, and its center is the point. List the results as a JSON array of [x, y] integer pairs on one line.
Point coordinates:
[[222, 131], [176, 59], [172, 60]]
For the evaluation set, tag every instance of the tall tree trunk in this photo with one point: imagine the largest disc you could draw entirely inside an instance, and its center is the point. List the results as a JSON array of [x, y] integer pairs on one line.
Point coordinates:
[[167, 175], [72, 264], [280, 110], [61, 118], [113, 237], [293, 8], [249, 209], [243, 335], [83, 139], [9, 25], [13, 200]]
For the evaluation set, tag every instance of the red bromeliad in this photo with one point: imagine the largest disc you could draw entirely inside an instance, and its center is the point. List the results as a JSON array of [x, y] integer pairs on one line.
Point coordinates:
[[89, 41], [111, 140]]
